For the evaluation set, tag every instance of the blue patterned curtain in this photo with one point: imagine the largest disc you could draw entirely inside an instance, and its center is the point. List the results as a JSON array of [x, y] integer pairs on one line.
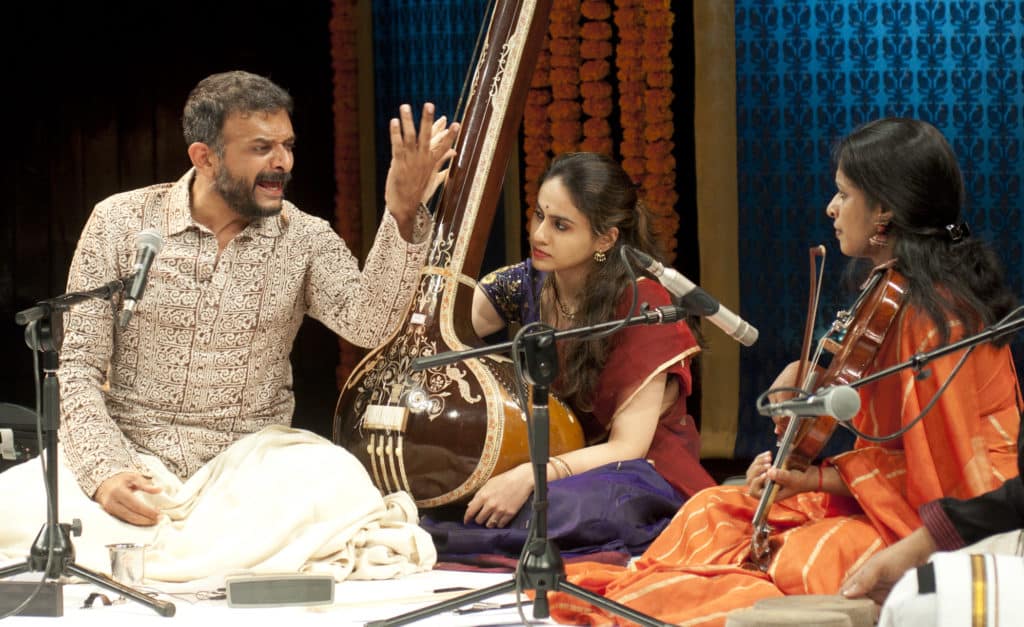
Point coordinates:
[[809, 71], [422, 52]]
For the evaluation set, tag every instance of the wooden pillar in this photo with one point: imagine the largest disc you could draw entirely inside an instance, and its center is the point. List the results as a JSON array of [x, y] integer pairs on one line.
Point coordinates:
[[717, 214]]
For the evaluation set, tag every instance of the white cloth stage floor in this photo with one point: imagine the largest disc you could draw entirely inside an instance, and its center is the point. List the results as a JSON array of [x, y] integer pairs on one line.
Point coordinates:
[[355, 603]]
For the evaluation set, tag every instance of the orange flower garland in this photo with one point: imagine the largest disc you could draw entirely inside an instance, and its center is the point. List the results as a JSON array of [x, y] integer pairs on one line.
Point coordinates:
[[536, 127], [659, 181], [346, 146], [629, 17], [571, 100], [596, 34], [564, 111]]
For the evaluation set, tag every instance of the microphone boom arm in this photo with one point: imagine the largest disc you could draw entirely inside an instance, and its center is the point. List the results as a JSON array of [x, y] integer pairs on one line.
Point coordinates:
[[919, 360], [658, 315]]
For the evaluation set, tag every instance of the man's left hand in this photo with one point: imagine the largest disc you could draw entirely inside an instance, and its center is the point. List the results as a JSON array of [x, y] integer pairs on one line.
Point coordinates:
[[880, 573], [415, 161]]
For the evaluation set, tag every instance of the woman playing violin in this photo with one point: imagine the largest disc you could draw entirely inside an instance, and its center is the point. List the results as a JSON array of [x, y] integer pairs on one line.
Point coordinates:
[[898, 200], [628, 390]]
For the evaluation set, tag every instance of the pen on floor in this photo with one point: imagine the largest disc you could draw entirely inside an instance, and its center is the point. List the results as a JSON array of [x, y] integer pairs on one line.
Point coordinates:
[[486, 607], [451, 589]]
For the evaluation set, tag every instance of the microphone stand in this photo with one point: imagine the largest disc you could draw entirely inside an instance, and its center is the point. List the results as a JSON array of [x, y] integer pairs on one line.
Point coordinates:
[[760, 548], [540, 566], [919, 360], [52, 552], [916, 362]]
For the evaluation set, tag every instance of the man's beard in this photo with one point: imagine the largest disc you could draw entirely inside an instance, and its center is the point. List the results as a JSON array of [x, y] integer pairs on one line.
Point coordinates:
[[240, 194]]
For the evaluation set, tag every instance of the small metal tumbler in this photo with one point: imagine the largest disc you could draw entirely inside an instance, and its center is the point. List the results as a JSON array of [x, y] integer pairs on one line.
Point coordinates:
[[128, 563]]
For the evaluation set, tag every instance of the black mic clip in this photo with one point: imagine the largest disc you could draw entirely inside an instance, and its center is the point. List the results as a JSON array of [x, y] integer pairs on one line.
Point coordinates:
[[665, 314]]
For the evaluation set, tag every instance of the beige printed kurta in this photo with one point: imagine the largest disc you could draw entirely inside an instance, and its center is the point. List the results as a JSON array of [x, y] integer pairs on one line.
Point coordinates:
[[205, 358]]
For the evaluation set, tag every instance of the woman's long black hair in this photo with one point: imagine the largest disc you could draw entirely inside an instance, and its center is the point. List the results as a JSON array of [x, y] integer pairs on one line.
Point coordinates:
[[908, 168], [605, 194]]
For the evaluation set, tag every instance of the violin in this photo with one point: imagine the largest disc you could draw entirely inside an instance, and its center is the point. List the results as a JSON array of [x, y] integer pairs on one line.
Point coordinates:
[[854, 340]]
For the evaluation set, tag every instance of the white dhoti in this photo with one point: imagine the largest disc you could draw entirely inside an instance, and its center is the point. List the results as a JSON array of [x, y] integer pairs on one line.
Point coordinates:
[[278, 501], [978, 585]]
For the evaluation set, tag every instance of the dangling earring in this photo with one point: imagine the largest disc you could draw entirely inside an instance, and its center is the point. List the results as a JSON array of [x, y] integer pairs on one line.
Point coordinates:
[[881, 237], [600, 257]]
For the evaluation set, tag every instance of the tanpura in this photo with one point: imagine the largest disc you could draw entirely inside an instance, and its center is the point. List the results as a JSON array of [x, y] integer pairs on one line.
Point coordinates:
[[441, 433]]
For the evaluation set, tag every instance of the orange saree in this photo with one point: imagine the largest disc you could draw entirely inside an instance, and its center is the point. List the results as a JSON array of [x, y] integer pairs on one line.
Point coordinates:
[[965, 446]]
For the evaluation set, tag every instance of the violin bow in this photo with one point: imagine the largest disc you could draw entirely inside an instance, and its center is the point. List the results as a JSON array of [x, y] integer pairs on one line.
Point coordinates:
[[760, 550]]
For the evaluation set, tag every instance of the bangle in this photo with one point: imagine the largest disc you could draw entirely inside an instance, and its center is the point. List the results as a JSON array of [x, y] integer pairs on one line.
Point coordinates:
[[560, 465], [821, 478]]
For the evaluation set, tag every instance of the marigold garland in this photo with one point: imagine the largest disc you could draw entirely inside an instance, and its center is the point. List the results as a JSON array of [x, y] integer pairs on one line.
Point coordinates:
[[536, 126], [571, 99], [595, 9], [565, 110], [347, 223], [591, 73], [597, 127], [592, 49], [628, 18], [659, 182], [659, 79], [596, 34]]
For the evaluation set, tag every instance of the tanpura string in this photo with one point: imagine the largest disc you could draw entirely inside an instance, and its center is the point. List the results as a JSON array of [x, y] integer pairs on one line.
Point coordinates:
[[444, 220]]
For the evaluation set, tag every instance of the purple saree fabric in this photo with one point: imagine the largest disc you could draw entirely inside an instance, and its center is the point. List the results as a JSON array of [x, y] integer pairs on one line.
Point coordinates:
[[618, 507]]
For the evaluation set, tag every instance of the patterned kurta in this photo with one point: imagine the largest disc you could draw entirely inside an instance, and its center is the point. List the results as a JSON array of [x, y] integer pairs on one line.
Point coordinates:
[[205, 359]]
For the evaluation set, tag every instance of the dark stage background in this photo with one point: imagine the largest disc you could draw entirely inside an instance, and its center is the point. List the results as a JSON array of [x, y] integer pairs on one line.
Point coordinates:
[[93, 98]]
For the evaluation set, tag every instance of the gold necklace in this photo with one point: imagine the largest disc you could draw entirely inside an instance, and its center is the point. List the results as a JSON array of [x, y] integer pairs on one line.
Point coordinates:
[[569, 315]]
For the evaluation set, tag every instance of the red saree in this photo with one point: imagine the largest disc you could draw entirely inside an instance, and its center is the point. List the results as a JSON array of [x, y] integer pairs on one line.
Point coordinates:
[[638, 354], [965, 446]]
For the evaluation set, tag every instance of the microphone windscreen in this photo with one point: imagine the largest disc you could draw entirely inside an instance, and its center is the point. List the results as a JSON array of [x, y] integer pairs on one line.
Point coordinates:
[[149, 238], [843, 402]]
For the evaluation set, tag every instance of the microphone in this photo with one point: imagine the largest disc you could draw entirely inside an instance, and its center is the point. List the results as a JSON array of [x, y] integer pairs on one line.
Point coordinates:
[[666, 314], [147, 244], [696, 300], [841, 402]]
